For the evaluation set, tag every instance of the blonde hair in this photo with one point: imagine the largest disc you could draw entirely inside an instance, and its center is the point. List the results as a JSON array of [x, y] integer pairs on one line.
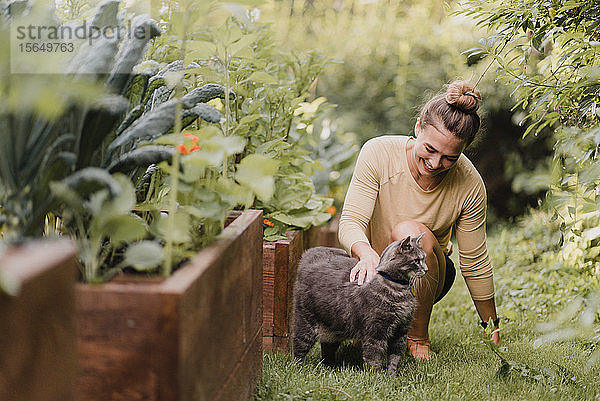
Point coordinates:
[[455, 110]]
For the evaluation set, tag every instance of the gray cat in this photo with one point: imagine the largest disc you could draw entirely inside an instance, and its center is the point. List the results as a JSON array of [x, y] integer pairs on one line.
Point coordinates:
[[329, 308]]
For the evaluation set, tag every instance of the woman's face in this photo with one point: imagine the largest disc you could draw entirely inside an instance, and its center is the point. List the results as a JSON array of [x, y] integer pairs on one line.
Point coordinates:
[[436, 149]]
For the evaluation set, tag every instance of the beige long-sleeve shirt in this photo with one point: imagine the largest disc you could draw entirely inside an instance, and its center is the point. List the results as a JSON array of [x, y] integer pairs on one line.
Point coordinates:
[[383, 193]]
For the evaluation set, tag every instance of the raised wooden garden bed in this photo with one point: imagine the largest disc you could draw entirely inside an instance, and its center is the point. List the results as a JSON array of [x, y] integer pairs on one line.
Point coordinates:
[[280, 263], [195, 335], [38, 359]]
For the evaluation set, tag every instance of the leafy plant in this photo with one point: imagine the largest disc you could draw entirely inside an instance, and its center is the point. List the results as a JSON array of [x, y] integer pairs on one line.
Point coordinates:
[[576, 321], [101, 223], [541, 275], [84, 144], [42, 147], [510, 368], [269, 85], [548, 50], [336, 151]]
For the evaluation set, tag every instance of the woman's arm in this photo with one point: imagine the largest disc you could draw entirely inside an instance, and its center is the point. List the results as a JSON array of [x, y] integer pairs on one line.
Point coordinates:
[[360, 198], [474, 259], [356, 213]]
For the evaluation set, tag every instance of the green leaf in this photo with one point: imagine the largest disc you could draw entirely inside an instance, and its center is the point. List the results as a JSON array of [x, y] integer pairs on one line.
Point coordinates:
[[195, 164], [201, 49], [273, 234], [591, 233], [141, 157], [234, 193], [229, 144], [249, 118], [207, 210], [91, 179], [124, 202], [242, 48], [263, 78], [181, 228], [303, 219], [256, 172], [292, 193], [125, 228], [143, 255], [67, 195]]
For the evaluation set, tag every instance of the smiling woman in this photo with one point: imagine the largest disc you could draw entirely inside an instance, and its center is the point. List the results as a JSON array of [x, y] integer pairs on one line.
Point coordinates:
[[405, 186]]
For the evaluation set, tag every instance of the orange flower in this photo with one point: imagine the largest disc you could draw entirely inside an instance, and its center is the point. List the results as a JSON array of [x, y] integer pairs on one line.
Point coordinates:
[[268, 222], [190, 136], [182, 149], [331, 210]]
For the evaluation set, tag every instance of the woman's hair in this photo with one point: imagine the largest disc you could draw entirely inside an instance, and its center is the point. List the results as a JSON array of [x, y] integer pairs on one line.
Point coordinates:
[[455, 110]]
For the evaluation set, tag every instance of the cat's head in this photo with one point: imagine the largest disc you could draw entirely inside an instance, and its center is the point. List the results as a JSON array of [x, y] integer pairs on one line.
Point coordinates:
[[404, 260]]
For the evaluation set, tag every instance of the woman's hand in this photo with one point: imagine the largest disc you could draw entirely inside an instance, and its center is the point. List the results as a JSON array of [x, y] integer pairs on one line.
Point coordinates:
[[496, 337], [364, 270]]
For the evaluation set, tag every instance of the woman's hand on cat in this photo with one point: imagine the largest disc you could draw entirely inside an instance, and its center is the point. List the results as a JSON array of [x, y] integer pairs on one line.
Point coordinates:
[[364, 270], [368, 260]]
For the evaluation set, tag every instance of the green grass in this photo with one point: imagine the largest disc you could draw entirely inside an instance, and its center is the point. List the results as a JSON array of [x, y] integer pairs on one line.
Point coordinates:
[[464, 368]]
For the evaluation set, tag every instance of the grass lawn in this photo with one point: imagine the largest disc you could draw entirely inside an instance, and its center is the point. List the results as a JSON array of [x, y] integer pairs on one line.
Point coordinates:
[[464, 368]]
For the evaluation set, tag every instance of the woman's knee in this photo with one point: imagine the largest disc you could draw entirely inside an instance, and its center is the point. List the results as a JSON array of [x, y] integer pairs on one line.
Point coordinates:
[[413, 229]]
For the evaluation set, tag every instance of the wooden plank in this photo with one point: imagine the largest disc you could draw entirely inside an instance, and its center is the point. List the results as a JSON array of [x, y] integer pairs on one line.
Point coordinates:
[[282, 267], [120, 342], [225, 338], [280, 264], [37, 327], [323, 235], [268, 287]]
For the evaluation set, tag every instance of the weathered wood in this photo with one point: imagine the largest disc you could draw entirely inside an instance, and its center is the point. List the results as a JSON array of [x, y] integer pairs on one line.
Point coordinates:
[[192, 336], [323, 235], [38, 359], [280, 264]]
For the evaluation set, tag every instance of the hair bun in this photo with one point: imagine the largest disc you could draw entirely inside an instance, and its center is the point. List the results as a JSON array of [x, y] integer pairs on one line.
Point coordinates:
[[463, 96]]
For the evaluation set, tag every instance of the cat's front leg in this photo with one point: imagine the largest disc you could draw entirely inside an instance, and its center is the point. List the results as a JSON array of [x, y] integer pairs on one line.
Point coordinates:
[[396, 348], [373, 353]]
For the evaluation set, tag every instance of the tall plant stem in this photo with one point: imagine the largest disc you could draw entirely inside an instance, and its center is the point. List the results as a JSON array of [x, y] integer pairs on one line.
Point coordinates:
[[174, 182], [227, 106]]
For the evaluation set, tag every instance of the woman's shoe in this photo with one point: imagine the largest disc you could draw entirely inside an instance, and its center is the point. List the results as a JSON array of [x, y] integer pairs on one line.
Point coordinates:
[[419, 348]]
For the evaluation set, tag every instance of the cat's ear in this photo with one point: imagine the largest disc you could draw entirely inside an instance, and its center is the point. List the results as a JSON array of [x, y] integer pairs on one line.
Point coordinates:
[[419, 239], [405, 243]]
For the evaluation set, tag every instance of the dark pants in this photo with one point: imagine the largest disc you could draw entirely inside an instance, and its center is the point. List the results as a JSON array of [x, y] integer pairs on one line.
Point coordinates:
[[448, 279]]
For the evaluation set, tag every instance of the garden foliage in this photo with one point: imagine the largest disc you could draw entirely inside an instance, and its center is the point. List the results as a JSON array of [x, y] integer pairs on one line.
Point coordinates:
[[143, 164], [548, 51], [270, 86], [106, 124]]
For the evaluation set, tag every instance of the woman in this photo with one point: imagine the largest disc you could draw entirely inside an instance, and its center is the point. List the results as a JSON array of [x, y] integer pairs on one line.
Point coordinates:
[[424, 184]]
